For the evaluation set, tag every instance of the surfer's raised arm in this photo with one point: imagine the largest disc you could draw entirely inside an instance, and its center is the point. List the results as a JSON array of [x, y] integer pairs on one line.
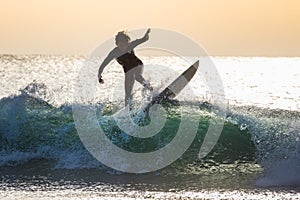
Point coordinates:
[[137, 42]]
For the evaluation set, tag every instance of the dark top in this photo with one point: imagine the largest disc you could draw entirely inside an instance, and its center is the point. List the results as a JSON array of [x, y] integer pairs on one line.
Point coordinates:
[[127, 59]]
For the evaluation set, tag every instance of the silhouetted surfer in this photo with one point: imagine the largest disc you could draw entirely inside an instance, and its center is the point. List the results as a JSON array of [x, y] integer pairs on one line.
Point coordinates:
[[132, 65]]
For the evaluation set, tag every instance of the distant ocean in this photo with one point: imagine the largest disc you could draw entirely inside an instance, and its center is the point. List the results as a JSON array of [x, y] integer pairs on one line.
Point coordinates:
[[256, 157]]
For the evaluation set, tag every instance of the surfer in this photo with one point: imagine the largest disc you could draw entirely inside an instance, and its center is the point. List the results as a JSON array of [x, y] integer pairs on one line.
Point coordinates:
[[132, 65]]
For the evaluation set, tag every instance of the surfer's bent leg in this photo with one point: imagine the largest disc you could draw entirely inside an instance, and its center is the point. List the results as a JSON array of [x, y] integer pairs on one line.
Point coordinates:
[[138, 71], [129, 81]]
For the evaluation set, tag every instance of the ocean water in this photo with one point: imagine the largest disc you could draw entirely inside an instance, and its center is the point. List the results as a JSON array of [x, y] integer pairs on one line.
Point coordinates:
[[257, 155]]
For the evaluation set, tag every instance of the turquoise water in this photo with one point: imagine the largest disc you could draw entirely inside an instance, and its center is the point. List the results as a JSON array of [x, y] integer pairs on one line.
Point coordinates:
[[44, 131]]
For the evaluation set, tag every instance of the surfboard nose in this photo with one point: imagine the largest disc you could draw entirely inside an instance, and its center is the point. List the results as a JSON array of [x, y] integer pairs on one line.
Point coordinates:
[[196, 64]]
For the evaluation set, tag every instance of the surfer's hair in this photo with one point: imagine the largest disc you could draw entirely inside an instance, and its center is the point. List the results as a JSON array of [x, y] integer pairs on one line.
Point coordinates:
[[122, 36]]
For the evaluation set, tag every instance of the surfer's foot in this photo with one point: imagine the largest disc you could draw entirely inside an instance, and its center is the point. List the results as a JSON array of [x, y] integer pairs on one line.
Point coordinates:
[[147, 86]]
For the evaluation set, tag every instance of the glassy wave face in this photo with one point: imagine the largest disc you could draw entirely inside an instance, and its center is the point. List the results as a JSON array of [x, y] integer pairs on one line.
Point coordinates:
[[261, 130]]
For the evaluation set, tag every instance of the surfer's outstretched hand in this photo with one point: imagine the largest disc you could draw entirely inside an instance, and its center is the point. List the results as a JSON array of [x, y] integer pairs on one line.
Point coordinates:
[[101, 81], [147, 34]]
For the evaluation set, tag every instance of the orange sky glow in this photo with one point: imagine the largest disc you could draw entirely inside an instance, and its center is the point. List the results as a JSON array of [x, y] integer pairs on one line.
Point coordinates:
[[222, 27]]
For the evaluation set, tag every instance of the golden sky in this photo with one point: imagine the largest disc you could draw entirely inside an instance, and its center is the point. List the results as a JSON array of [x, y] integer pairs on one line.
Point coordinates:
[[222, 27]]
